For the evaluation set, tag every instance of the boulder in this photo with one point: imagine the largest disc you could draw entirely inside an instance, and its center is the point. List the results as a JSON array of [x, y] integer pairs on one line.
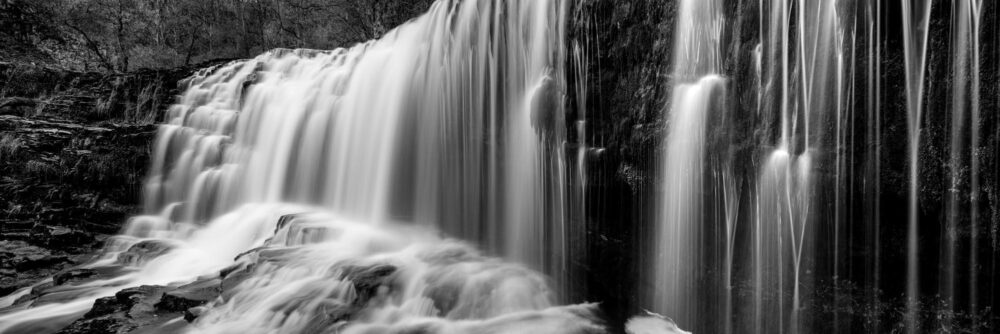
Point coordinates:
[[103, 306], [134, 295], [192, 314], [546, 110], [191, 295], [24, 264], [74, 275], [22, 256], [147, 307], [128, 310], [143, 251], [368, 279]]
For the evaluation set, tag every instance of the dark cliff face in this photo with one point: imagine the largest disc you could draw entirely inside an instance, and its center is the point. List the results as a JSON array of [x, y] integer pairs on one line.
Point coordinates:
[[627, 48], [74, 149]]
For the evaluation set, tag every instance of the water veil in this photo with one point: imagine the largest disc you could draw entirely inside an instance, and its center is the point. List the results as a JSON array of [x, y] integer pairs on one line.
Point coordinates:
[[742, 209], [699, 90], [751, 166], [321, 190]]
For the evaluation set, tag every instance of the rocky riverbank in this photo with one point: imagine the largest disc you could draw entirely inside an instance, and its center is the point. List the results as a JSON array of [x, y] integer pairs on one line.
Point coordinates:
[[74, 148]]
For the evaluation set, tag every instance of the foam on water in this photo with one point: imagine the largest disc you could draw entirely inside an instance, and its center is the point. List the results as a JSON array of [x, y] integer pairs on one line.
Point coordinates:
[[450, 125]]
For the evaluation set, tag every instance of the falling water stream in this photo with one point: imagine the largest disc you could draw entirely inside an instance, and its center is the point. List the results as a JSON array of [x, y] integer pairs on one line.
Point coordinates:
[[815, 176], [317, 162], [457, 162], [916, 17], [696, 94]]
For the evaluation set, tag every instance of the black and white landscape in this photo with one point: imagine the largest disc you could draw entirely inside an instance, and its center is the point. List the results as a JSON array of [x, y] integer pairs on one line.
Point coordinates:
[[499, 166]]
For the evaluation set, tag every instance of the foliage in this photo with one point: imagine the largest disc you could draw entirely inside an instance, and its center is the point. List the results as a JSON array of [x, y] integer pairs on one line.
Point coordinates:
[[368, 19], [123, 35]]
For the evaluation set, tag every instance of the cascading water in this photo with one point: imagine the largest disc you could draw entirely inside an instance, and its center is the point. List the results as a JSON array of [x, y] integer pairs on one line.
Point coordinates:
[[825, 166], [774, 209], [451, 122], [805, 71], [697, 92], [797, 73], [916, 21]]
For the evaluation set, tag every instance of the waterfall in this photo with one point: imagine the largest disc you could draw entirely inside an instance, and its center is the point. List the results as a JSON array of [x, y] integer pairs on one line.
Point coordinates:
[[837, 144], [494, 166], [785, 196], [803, 88], [305, 165], [699, 90], [915, 39]]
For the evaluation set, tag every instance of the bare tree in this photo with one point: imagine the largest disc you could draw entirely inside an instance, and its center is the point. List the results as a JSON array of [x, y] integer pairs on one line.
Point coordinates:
[[121, 35], [368, 19]]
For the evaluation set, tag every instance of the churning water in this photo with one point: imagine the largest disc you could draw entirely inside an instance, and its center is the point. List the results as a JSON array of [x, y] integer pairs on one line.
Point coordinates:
[[344, 190], [307, 165]]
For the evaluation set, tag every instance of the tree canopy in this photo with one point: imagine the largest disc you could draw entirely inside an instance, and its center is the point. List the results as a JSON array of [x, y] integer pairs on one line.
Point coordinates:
[[123, 35]]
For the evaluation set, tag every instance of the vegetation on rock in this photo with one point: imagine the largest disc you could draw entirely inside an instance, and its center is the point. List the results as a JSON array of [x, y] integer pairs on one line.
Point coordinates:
[[74, 148], [124, 35]]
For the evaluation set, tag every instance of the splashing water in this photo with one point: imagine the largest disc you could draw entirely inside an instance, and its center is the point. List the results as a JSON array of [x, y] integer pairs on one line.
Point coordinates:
[[342, 191], [326, 173]]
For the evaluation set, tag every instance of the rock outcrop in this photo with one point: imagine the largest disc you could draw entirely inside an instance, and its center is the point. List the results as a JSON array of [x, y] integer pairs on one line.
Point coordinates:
[[74, 148]]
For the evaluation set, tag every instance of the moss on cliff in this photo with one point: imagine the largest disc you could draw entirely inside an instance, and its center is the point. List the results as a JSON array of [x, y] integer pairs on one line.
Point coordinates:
[[74, 148]]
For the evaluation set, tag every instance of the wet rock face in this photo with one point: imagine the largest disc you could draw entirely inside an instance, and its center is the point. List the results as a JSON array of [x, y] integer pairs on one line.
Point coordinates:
[[149, 307], [73, 275], [129, 309], [22, 264], [66, 185], [142, 252], [138, 97], [190, 296], [627, 47], [171, 308], [74, 148], [546, 111], [367, 280]]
